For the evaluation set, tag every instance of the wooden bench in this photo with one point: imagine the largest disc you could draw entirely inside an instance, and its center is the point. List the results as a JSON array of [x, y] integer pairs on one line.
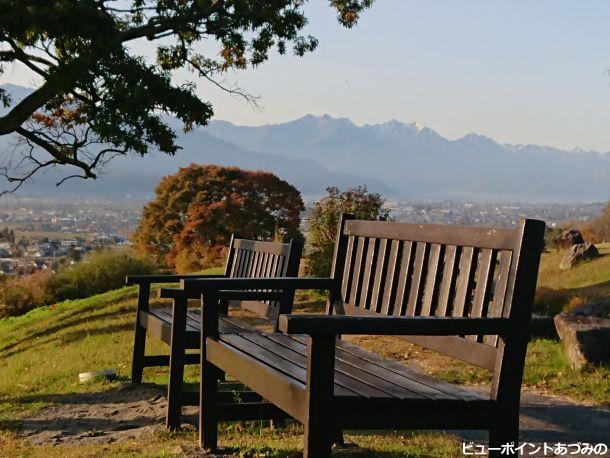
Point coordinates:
[[180, 327], [464, 292]]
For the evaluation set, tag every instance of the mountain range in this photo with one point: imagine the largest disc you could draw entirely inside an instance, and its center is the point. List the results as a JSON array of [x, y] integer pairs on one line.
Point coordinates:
[[404, 160]]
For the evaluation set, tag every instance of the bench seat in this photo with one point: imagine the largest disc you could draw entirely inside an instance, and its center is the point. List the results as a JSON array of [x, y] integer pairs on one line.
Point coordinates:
[[363, 381], [158, 321]]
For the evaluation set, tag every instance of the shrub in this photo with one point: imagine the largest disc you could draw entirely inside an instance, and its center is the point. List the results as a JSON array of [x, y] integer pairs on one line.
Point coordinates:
[[598, 230], [100, 271], [21, 294], [325, 218]]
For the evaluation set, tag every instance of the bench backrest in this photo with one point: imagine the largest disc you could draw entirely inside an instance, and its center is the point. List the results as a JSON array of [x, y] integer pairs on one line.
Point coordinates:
[[256, 259], [398, 269]]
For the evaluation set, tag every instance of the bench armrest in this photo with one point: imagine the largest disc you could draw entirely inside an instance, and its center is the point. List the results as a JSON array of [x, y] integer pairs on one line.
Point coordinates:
[[423, 326], [150, 279], [194, 287]]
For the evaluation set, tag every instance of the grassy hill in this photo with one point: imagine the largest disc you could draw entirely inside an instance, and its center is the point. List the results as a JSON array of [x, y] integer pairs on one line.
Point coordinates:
[[563, 289], [42, 353]]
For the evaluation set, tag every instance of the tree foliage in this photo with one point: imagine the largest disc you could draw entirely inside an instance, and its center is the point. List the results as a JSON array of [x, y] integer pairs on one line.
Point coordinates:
[[598, 229], [190, 222], [99, 98], [325, 217]]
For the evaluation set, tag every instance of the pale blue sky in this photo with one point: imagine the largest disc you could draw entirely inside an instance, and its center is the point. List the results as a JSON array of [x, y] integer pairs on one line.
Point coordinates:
[[520, 71]]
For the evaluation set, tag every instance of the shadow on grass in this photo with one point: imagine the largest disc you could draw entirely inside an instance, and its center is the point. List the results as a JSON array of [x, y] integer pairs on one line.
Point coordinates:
[[123, 394], [35, 339], [550, 301]]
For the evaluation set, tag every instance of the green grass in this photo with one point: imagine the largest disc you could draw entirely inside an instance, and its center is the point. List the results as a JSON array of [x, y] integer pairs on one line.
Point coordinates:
[[43, 351], [559, 290]]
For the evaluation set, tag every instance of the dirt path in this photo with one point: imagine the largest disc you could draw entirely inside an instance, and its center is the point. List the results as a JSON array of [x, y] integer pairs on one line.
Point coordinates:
[[136, 412]]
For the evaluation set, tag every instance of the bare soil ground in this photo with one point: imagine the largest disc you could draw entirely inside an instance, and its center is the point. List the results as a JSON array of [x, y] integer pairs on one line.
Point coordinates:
[[130, 412]]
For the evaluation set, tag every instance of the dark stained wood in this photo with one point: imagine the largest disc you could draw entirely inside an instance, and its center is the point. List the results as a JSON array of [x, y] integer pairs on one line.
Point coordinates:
[[483, 286], [432, 283], [263, 247], [455, 347], [367, 283], [404, 278], [137, 362], [499, 294], [357, 275], [182, 330], [380, 325], [208, 388], [464, 281], [319, 396], [389, 290], [510, 358], [348, 269], [447, 289], [341, 255], [379, 276], [176, 364], [419, 278], [495, 238]]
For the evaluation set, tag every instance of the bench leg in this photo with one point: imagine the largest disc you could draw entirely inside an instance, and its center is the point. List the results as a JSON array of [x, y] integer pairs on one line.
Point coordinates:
[[208, 407], [139, 343], [320, 383], [318, 440], [503, 432], [338, 438], [176, 365]]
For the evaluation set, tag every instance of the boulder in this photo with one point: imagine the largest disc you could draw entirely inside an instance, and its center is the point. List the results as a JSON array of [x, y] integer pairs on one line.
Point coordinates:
[[585, 334], [578, 253]]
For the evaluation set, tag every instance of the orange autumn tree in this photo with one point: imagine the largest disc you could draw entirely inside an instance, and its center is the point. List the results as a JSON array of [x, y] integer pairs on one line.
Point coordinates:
[[189, 224]]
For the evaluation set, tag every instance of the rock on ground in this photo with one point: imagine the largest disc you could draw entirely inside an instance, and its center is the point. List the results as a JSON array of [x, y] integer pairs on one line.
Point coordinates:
[[585, 334], [578, 253]]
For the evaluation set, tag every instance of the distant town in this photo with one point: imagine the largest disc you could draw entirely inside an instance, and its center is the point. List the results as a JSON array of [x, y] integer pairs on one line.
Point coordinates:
[[39, 234], [492, 214]]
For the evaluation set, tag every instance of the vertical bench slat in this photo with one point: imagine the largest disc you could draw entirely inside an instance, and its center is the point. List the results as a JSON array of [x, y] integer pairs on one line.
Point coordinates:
[[483, 286], [447, 287], [464, 281], [499, 293], [243, 270], [368, 270], [432, 284], [260, 266], [419, 276], [348, 269], [247, 263], [267, 260], [380, 275], [354, 295], [404, 278], [282, 266], [235, 265], [390, 283]]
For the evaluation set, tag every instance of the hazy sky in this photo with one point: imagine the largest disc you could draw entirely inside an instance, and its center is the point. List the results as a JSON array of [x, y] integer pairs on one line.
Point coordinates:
[[520, 71]]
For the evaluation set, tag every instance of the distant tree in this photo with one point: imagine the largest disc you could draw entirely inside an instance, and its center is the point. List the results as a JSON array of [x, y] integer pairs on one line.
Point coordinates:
[[196, 210], [598, 230], [325, 217], [99, 98]]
